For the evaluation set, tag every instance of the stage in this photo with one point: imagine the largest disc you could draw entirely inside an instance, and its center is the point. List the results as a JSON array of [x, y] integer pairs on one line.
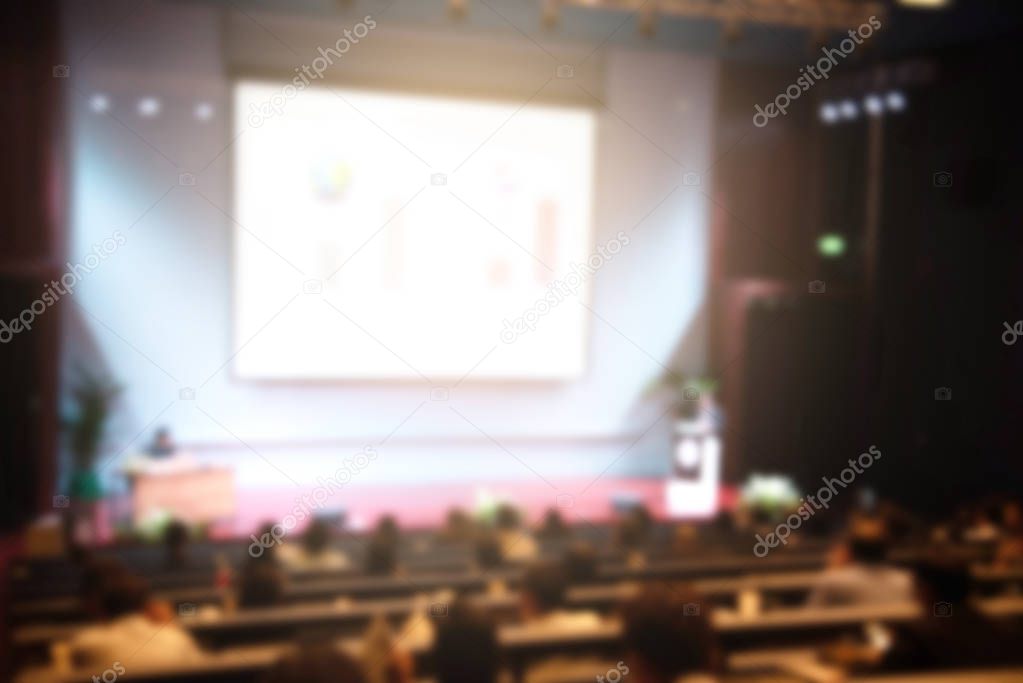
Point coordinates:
[[424, 506]]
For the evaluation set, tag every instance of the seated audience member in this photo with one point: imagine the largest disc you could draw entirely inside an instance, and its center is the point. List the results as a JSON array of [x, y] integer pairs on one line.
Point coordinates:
[[458, 527], [465, 647], [487, 552], [133, 624], [633, 533], [951, 633], [1010, 548], [261, 584], [175, 545], [517, 544], [981, 528], [382, 550], [96, 575], [543, 600], [580, 563], [315, 551], [264, 545], [387, 530], [315, 664], [866, 579], [667, 637], [553, 527]]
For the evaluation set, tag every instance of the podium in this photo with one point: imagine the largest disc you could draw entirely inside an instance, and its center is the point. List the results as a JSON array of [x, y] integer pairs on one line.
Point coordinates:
[[195, 495]]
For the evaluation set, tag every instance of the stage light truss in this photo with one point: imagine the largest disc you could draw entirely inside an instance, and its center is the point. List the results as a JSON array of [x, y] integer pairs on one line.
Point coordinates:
[[804, 14]]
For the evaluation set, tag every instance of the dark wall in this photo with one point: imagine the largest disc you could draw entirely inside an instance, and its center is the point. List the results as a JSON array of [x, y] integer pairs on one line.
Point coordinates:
[[31, 197], [820, 379]]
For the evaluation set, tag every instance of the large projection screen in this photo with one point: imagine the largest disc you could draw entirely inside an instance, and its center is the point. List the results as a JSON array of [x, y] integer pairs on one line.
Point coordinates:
[[385, 235]]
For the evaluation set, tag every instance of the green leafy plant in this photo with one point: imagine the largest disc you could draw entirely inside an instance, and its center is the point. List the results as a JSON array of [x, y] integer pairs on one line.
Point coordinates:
[[93, 396], [682, 391]]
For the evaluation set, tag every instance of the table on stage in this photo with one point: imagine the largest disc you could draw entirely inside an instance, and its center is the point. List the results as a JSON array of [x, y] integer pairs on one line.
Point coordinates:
[[195, 494]]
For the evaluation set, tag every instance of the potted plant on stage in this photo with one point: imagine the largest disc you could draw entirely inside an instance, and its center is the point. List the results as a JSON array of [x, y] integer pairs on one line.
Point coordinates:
[[92, 398]]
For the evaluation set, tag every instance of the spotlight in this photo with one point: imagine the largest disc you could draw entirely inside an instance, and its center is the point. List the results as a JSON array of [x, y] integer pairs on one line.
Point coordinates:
[[99, 103], [149, 107], [828, 113], [873, 105], [848, 110], [203, 111], [895, 100]]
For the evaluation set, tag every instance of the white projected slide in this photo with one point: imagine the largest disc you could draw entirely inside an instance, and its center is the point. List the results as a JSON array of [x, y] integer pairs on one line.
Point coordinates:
[[411, 229]]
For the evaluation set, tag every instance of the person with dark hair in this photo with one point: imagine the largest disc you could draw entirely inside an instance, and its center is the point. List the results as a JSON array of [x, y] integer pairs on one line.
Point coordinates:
[[132, 623], [667, 634], [517, 544], [633, 534], [382, 551], [175, 545], [951, 633], [97, 573], [465, 647], [387, 530], [867, 578], [315, 551], [262, 584], [554, 527], [580, 563], [458, 527], [634, 528], [543, 600], [320, 663], [487, 552], [1009, 551]]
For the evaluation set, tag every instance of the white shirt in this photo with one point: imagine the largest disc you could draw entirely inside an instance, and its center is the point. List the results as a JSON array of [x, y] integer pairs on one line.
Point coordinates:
[[135, 641]]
